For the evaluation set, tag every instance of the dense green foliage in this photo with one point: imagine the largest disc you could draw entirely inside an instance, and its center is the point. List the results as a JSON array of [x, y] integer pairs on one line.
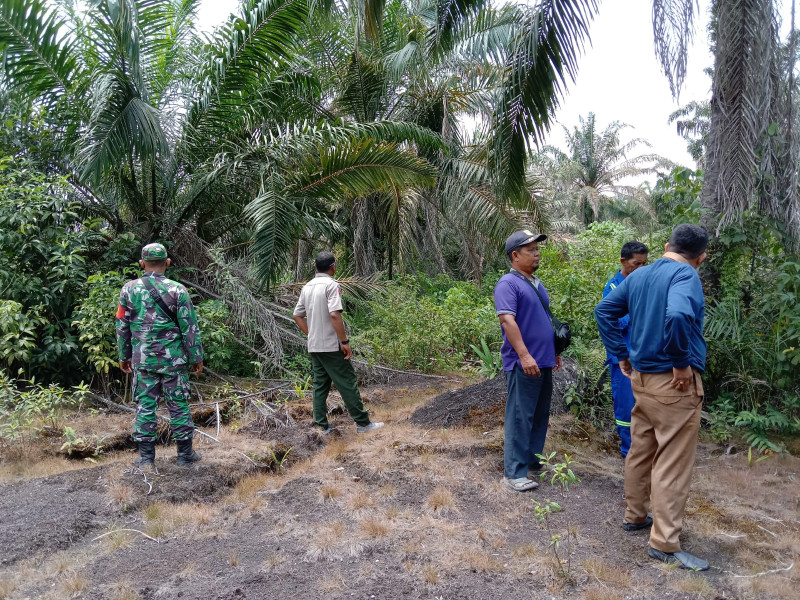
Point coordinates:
[[298, 126]]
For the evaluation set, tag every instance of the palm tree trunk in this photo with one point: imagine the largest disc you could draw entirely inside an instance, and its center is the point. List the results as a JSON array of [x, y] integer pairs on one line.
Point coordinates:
[[363, 224]]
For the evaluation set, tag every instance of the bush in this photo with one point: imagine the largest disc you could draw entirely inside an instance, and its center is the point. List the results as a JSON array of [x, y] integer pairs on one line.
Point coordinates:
[[94, 318], [220, 351], [427, 324], [42, 271]]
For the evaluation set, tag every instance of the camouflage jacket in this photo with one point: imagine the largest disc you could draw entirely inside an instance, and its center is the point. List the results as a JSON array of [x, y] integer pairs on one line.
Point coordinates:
[[149, 338]]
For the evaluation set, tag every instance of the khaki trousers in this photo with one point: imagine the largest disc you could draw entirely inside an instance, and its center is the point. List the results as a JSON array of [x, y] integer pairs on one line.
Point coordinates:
[[658, 469]]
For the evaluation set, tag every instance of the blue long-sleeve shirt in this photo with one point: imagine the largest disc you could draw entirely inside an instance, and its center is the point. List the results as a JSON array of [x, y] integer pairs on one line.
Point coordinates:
[[667, 307], [623, 321]]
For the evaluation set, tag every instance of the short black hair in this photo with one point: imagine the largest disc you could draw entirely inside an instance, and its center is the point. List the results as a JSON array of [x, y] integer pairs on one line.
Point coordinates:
[[631, 248], [158, 262], [324, 261], [689, 241]]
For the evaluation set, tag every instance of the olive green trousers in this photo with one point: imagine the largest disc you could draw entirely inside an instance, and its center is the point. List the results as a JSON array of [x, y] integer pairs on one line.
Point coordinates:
[[331, 367]]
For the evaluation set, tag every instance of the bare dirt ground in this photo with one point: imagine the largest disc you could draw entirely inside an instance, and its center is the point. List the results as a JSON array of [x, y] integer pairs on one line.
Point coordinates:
[[410, 511]]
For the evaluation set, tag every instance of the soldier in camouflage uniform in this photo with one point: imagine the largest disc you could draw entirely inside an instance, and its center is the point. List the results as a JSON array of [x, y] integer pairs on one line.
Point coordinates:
[[158, 349]]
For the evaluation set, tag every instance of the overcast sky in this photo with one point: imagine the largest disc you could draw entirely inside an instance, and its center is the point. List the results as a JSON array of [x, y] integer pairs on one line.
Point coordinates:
[[619, 77]]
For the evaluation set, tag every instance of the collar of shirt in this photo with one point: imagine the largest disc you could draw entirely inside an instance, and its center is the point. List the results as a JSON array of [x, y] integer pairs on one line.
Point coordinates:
[[534, 280], [153, 274], [322, 275]]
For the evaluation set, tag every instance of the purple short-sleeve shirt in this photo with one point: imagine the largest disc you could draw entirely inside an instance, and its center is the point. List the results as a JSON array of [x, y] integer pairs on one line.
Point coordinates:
[[515, 295]]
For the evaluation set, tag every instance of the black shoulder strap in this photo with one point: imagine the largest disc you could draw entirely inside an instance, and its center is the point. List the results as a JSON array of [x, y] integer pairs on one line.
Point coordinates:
[[541, 299], [159, 300]]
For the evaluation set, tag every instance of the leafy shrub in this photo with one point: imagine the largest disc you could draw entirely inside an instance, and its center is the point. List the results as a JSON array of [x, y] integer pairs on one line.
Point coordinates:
[[427, 324], [42, 269], [220, 350], [27, 404], [94, 318]]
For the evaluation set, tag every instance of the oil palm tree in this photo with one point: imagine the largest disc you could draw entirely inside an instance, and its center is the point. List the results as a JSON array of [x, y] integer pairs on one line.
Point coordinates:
[[593, 170], [258, 132], [161, 133]]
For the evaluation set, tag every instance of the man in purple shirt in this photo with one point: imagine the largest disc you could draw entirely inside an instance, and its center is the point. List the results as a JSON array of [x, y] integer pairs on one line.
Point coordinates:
[[529, 357]]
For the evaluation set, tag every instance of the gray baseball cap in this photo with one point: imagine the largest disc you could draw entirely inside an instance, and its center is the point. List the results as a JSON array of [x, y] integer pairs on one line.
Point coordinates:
[[522, 237]]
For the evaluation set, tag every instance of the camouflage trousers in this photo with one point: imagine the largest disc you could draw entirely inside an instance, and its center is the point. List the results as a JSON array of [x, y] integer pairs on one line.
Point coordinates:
[[174, 387]]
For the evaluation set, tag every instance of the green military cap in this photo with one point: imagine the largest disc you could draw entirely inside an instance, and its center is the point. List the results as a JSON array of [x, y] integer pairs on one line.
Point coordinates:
[[154, 252]]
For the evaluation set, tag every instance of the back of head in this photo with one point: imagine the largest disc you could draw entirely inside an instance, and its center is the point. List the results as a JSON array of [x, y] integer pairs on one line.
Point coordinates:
[[631, 248], [690, 241], [324, 261]]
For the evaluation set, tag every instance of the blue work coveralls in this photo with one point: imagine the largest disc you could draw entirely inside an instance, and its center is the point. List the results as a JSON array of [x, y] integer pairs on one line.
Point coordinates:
[[621, 385]]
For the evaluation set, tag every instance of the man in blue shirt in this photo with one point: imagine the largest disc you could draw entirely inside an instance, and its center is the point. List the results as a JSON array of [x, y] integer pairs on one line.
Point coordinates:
[[665, 363], [529, 357], [632, 256]]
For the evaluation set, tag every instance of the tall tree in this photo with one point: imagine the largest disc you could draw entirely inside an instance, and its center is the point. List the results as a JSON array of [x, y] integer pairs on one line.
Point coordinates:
[[593, 170]]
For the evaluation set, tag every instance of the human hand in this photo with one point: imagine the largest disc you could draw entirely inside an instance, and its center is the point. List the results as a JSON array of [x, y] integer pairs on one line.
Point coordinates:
[[197, 368], [625, 367], [558, 364], [682, 378], [529, 366], [125, 365], [348, 352]]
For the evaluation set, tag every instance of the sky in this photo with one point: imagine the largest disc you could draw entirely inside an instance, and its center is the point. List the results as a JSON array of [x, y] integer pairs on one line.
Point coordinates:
[[619, 76]]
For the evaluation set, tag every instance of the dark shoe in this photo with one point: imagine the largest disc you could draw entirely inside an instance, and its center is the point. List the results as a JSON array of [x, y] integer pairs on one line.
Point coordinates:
[[147, 454], [186, 455], [682, 559], [648, 522]]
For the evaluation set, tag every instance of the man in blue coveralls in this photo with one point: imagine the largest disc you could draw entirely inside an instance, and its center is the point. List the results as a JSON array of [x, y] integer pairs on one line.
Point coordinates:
[[632, 256]]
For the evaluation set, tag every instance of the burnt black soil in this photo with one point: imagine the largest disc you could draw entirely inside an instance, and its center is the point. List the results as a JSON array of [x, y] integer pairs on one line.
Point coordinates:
[[482, 404], [53, 513]]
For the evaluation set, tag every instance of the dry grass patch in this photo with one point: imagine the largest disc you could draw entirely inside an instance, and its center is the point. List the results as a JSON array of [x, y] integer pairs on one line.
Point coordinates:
[[604, 572], [333, 583], [123, 591], [118, 540], [330, 491], [430, 574], [36, 467], [781, 586], [441, 500], [526, 551], [334, 449], [7, 588], [360, 500], [325, 540], [120, 494], [273, 560], [484, 562], [233, 559], [74, 585], [163, 517], [693, 584], [246, 489], [598, 593], [60, 563], [374, 527]]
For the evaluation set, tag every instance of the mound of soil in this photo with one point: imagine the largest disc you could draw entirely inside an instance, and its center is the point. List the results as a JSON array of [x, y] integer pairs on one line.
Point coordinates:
[[483, 404]]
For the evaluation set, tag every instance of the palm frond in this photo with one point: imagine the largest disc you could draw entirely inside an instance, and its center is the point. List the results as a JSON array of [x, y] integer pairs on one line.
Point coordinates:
[[542, 59], [122, 127], [673, 29], [39, 58], [241, 52]]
